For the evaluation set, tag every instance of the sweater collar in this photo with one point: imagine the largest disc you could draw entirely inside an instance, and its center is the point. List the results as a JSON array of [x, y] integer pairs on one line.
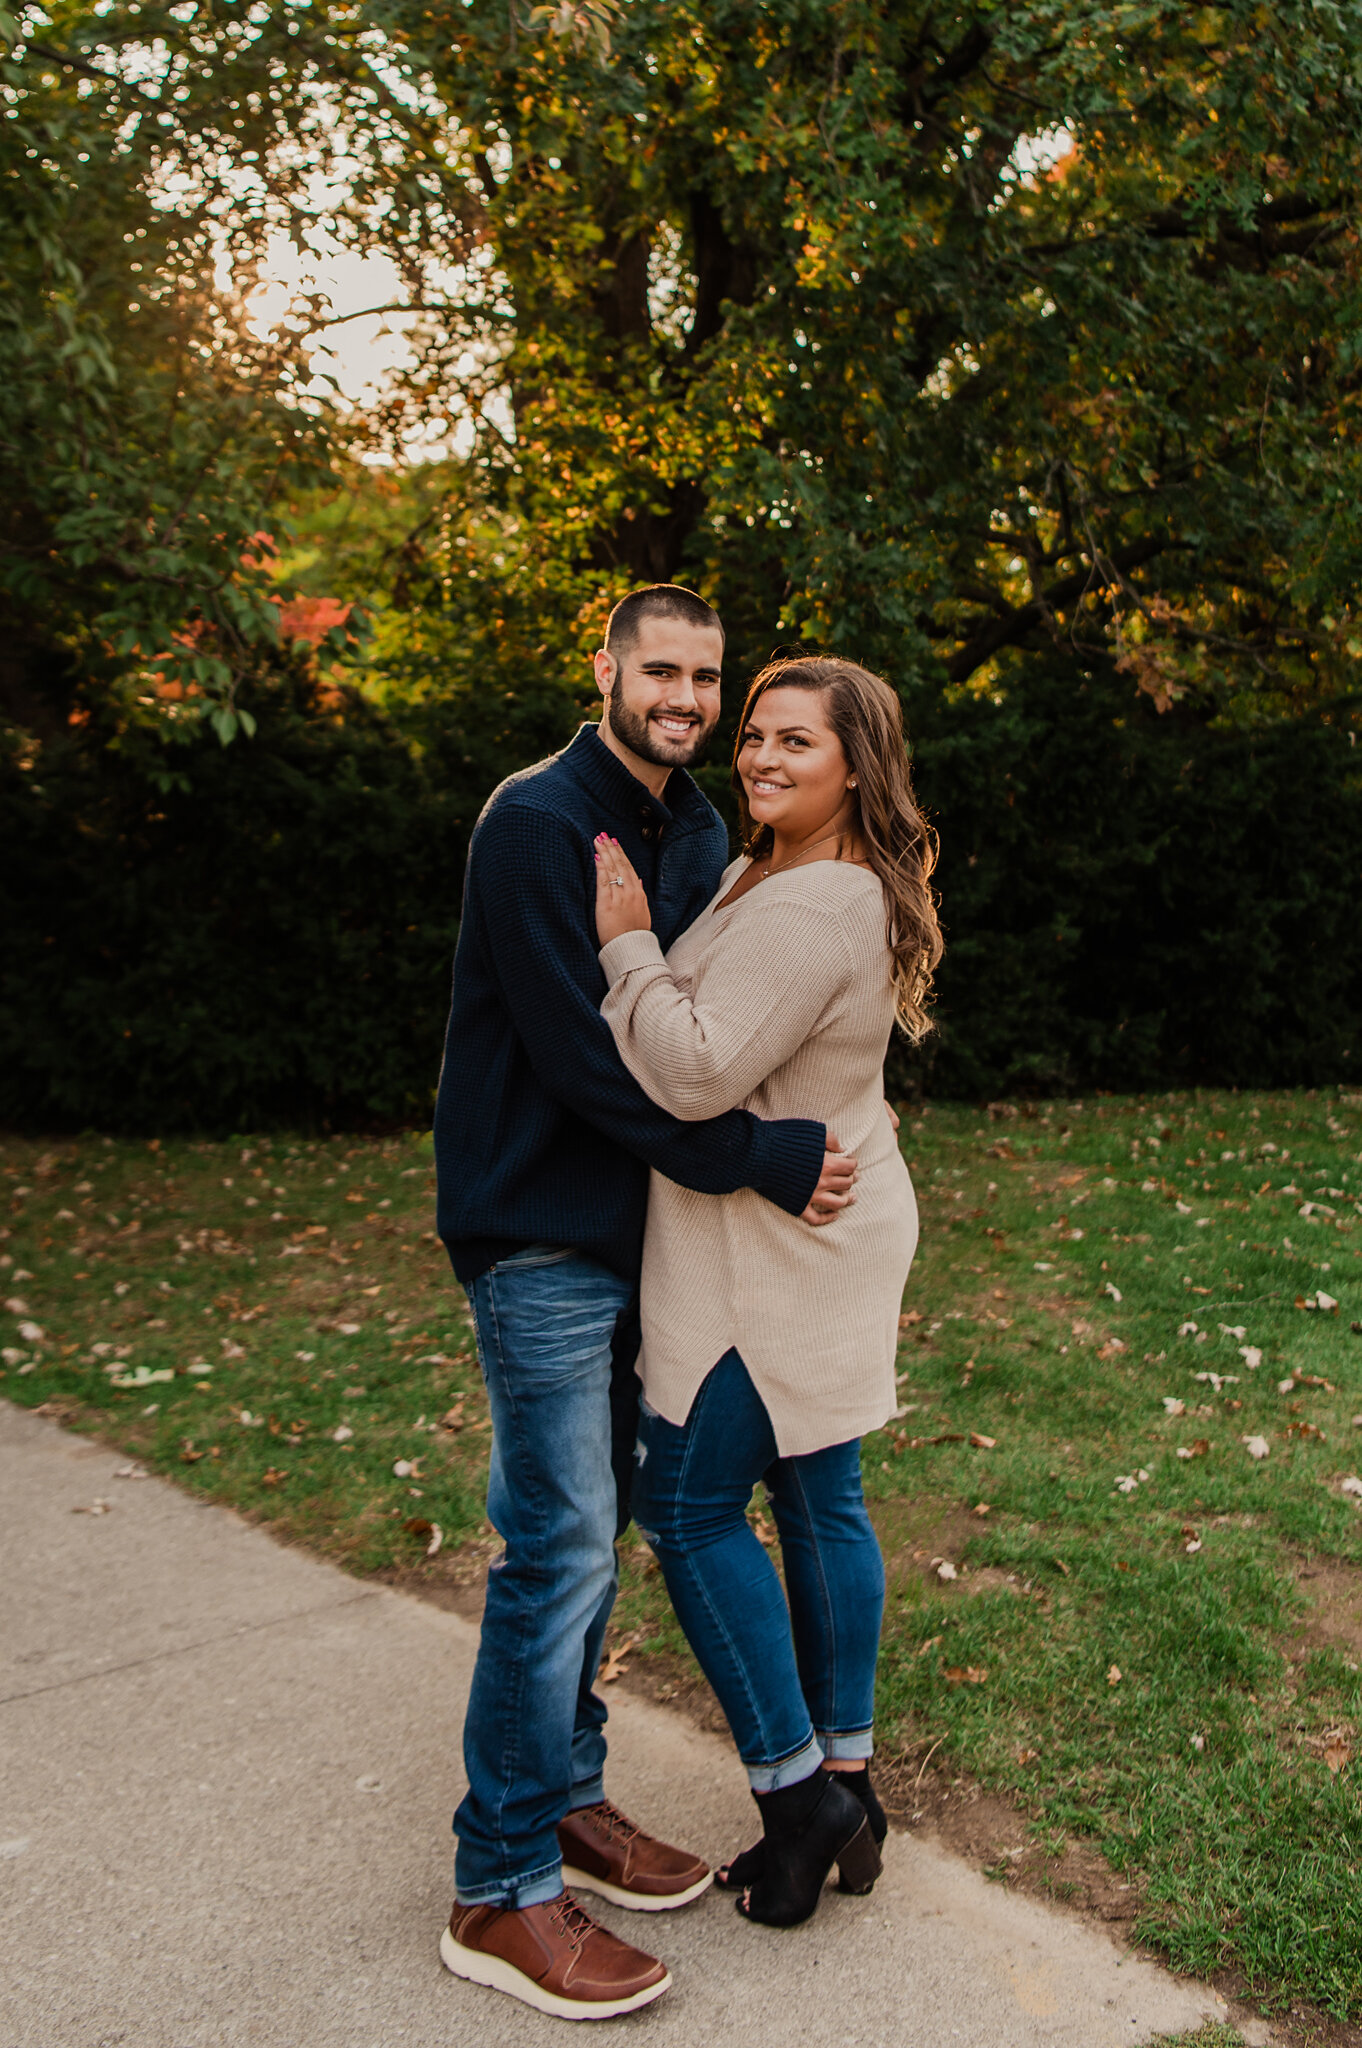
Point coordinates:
[[609, 781]]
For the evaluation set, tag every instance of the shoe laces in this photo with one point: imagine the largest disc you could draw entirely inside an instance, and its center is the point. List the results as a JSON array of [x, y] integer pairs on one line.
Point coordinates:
[[572, 1921], [607, 1820]]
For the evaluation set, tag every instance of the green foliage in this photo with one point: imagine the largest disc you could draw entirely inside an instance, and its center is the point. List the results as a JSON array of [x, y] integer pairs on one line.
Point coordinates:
[[194, 946], [233, 947], [1010, 349], [149, 437], [1135, 901], [923, 333]]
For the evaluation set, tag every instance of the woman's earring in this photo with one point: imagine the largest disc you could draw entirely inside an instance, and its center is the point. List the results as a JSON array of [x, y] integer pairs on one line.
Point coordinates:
[[852, 783]]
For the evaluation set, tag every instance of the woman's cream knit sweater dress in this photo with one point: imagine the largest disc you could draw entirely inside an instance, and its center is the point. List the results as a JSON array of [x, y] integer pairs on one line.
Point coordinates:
[[781, 1004]]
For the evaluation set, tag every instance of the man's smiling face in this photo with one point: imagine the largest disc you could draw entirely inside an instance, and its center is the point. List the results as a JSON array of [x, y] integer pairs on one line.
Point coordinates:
[[662, 691]]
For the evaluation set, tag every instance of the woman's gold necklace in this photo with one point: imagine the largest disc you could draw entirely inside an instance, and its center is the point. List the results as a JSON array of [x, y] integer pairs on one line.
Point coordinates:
[[826, 841]]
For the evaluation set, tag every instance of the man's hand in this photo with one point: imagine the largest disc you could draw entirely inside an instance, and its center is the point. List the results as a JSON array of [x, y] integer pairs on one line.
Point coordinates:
[[834, 1189]]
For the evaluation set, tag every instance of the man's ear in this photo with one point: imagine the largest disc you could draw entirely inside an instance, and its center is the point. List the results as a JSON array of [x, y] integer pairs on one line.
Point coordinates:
[[606, 668]]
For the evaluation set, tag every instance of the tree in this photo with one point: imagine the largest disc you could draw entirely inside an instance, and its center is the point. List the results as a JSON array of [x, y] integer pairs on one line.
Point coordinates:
[[149, 439], [931, 332]]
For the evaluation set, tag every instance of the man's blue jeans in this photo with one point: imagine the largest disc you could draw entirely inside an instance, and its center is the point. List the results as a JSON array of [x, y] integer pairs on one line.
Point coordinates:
[[797, 1682], [557, 1338]]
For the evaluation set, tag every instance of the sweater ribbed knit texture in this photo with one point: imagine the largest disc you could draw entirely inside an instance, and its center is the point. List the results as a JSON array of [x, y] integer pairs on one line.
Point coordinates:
[[781, 1003], [540, 1134]]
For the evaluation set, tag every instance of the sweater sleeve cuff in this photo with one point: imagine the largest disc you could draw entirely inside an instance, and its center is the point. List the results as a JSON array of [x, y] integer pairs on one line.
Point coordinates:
[[792, 1161], [629, 951]]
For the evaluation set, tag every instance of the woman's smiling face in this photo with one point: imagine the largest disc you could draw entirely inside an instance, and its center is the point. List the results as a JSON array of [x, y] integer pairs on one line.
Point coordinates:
[[793, 770]]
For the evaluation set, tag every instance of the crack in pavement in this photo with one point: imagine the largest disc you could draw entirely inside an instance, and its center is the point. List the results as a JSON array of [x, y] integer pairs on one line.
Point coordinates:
[[244, 1628]]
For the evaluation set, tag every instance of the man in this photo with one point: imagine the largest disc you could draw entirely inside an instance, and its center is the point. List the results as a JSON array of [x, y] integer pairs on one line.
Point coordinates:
[[543, 1144]]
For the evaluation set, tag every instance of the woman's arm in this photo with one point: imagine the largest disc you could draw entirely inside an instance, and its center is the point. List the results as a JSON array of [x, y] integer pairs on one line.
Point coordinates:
[[760, 993]]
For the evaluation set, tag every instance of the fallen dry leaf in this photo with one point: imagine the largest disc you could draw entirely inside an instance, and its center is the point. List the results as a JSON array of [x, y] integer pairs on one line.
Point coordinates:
[[1114, 1675], [984, 1507], [911, 1316], [983, 1443], [965, 1674], [272, 1476], [1257, 1446], [616, 1663]]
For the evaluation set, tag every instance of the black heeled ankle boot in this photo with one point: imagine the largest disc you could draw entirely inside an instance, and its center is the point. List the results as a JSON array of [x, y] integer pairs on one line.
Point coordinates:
[[745, 1869], [859, 1783], [809, 1827]]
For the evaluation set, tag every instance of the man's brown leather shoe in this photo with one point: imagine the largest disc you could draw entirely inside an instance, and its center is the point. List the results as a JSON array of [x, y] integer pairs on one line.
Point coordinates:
[[603, 1852], [554, 1957]]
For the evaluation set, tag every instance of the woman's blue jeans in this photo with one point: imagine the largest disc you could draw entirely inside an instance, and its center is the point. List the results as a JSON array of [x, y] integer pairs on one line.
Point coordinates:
[[557, 1339], [797, 1682]]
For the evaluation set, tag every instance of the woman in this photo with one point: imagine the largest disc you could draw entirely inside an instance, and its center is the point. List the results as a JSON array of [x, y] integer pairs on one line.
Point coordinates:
[[768, 1348]]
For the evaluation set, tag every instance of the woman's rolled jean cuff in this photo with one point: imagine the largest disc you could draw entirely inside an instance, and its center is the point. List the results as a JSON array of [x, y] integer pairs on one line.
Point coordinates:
[[856, 1747], [536, 1888], [790, 1770]]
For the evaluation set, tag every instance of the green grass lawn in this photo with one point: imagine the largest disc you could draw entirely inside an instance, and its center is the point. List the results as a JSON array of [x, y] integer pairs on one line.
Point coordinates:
[[1145, 1636]]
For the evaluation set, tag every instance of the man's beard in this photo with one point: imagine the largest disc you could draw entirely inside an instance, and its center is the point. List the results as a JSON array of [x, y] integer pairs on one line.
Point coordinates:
[[638, 733]]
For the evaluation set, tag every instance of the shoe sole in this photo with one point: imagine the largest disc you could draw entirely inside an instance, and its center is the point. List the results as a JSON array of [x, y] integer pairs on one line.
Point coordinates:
[[477, 1968], [634, 1902]]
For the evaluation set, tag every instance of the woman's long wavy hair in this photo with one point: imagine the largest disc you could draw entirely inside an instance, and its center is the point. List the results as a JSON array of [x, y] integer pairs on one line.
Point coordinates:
[[901, 847]]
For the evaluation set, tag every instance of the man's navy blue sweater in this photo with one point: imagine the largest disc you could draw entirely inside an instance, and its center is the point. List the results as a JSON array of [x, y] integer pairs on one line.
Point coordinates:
[[541, 1136]]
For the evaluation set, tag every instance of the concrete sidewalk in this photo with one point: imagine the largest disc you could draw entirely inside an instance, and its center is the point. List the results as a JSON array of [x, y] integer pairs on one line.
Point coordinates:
[[228, 1772]]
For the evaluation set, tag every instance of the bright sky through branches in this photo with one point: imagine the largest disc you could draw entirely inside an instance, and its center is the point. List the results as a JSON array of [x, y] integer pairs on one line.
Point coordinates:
[[362, 353]]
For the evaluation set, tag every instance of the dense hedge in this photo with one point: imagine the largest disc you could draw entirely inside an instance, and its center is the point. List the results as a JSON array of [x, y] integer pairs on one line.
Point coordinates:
[[1137, 900], [270, 942], [1140, 901], [1130, 901]]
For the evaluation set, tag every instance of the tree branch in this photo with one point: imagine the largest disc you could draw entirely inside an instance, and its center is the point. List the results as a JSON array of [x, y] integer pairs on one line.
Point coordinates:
[[1023, 619]]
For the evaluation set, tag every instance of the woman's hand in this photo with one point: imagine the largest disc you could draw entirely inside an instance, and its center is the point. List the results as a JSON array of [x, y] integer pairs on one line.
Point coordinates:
[[621, 905]]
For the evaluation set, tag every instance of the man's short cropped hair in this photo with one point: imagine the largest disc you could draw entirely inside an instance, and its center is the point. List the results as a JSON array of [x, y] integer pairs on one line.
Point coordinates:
[[657, 601]]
